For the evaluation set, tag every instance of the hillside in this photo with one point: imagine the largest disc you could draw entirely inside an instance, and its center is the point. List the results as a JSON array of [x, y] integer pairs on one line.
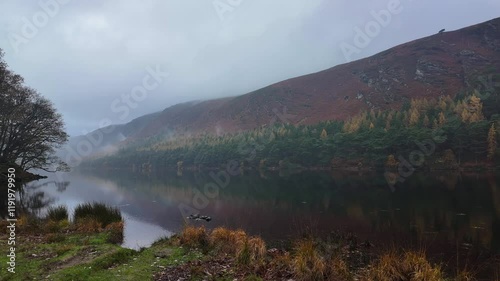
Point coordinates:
[[105, 139], [443, 64], [438, 65]]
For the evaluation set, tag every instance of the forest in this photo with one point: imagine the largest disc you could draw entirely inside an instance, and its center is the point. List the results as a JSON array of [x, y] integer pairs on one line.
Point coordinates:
[[437, 133]]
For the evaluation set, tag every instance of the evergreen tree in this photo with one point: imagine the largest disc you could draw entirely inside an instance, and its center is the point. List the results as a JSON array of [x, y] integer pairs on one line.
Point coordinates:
[[435, 124], [426, 121]]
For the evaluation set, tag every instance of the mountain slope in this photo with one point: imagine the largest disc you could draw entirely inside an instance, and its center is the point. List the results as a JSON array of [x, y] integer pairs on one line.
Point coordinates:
[[441, 64], [105, 139]]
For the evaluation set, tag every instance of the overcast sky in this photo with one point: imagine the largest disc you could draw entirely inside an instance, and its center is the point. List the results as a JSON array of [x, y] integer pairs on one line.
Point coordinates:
[[84, 55]]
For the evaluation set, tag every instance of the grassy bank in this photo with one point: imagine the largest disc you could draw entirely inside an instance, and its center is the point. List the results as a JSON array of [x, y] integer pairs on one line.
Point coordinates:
[[88, 256], [197, 254], [84, 248]]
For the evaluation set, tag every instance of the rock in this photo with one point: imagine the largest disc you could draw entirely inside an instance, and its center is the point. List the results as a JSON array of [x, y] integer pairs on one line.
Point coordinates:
[[467, 53], [197, 217]]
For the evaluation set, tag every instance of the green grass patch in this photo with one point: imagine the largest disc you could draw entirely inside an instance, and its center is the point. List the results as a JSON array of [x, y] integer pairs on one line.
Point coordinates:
[[90, 257], [120, 256]]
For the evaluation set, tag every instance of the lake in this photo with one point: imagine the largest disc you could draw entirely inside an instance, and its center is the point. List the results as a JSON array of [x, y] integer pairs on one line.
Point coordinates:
[[443, 212]]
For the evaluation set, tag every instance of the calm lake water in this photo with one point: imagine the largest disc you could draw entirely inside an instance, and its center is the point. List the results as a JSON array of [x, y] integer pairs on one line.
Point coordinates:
[[442, 211]]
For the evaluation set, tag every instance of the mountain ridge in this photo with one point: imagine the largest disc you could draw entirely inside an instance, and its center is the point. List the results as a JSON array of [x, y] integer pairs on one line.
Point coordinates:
[[443, 64], [437, 65]]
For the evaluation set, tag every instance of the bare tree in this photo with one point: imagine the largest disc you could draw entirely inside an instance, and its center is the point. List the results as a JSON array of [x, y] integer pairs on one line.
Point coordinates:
[[30, 127]]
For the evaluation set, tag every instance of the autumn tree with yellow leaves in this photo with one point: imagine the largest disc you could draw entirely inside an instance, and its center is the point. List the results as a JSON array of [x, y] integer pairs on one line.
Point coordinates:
[[391, 161], [323, 135], [472, 111]]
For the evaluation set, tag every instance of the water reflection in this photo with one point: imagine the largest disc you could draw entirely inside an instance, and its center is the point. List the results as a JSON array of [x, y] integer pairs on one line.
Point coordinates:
[[31, 199], [444, 209]]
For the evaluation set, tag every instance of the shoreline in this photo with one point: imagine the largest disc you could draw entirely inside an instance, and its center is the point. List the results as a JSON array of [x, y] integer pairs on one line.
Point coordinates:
[[83, 255], [374, 169], [22, 176]]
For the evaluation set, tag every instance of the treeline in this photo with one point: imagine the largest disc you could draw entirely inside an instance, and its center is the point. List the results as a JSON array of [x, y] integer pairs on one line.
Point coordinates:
[[453, 131]]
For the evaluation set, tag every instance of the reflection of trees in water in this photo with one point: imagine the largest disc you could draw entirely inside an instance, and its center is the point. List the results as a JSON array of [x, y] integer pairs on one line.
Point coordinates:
[[495, 226], [461, 210], [445, 206], [449, 180], [61, 185], [30, 199], [33, 203], [424, 206], [495, 194]]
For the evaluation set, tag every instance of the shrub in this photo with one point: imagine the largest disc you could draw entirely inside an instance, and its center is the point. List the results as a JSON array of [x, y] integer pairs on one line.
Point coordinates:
[[194, 237], [281, 262], [407, 266], [466, 275], [29, 223], [307, 263], [89, 225], [100, 212], [228, 241], [339, 270], [54, 226], [238, 241], [51, 227], [220, 239], [115, 230], [257, 250], [58, 213], [243, 256]]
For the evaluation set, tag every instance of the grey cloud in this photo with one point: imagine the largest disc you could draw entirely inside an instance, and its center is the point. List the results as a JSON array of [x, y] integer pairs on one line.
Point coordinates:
[[92, 52]]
